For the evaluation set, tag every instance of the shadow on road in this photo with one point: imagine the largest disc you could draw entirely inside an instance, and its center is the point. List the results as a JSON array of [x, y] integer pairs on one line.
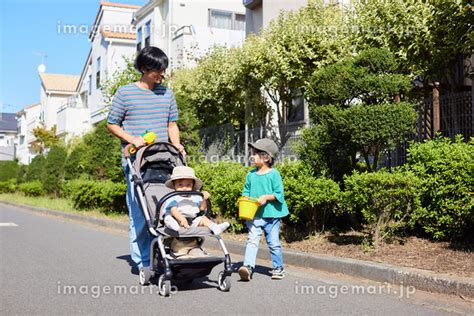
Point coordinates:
[[133, 267]]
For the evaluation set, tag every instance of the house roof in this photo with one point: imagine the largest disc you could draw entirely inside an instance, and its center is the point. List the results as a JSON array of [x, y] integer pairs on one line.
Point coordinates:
[[59, 82], [93, 31], [131, 36], [22, 111], [8, 122]]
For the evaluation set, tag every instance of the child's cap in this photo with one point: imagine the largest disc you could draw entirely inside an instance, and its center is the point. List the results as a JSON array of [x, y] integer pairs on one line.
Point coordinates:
[[266, 145], [183, 172]]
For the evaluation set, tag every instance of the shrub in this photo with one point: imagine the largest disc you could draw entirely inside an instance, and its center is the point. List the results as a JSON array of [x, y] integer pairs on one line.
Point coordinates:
[[225, 182], [103, 155], [8, 186], [35, 169], [385, 200], [76, 165], [446, 170], [34, 188], [54, 169], [8, 170], [310, 200], [104, 195]]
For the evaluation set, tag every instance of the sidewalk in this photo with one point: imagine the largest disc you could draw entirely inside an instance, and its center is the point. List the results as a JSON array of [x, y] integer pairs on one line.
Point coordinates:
[[420, 279]]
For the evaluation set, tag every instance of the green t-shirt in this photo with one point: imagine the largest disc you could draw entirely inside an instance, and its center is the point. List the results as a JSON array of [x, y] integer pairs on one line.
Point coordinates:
[[257, 185]]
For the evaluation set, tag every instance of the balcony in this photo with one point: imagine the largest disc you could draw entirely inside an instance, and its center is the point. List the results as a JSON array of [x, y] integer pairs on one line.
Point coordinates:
[[72, 118]]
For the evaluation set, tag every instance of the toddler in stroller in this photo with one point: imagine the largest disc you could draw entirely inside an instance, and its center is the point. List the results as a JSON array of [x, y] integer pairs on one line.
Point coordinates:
[[152, 179], [186, 211]]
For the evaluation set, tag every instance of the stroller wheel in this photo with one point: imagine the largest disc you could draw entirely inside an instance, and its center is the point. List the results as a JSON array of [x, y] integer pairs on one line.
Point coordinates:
[[144, 276], [223, 282], [164, 286]]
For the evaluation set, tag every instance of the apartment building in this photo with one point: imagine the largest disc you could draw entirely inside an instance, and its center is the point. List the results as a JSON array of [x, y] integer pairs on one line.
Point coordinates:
[[187, 29], [112, 39], [27, 119]]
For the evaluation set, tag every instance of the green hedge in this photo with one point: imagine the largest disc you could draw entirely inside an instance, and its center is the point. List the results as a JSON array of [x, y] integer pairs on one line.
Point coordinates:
[[8, 170], [385, 200], [312, 201], [8, 186], [104, 195], [34, 188], [446, 170], [225, 182]]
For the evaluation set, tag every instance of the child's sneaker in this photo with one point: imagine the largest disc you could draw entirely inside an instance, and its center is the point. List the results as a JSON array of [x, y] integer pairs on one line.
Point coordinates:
[[278, 273], [245, 273]]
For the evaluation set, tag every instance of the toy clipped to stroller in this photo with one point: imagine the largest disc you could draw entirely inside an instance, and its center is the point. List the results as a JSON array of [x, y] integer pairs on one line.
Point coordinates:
[[175, 254]]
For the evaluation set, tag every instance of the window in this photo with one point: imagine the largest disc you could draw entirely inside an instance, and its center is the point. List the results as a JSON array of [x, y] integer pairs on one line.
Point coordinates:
[[220, 19], [226, 20], [97, 74], [90, 84], [147, 33], [139, 39], [84, 100], [239, 23]]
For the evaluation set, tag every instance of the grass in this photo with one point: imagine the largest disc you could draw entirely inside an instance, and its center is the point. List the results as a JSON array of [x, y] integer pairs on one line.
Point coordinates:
[[58, 204]]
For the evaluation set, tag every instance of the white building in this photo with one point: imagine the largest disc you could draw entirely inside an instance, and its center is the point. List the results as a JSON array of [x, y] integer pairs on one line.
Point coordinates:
[[56, 90], [259, 13], [112, 39], [28, 118], [8, 133], [188, 28]]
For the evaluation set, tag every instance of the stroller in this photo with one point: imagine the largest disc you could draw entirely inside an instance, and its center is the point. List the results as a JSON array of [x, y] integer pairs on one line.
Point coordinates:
[[152, 167]]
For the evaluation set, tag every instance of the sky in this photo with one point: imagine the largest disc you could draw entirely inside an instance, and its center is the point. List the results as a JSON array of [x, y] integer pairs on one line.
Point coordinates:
[[30, 27]]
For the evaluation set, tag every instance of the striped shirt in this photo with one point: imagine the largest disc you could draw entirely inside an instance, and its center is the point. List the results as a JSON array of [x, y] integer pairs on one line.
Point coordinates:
[[138, 110]]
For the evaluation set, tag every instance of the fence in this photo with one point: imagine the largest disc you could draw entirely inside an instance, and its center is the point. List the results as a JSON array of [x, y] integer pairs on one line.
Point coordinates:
[[225, 142], [456, 116]]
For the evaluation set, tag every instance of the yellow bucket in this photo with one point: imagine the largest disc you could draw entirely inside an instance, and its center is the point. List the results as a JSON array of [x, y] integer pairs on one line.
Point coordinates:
[[247, 207]]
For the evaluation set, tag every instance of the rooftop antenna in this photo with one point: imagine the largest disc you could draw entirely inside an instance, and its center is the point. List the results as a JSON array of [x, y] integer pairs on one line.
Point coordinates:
[[42, 66]]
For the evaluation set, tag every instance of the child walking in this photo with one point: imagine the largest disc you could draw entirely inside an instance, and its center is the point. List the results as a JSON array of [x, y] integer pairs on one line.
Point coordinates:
[[265, 184]]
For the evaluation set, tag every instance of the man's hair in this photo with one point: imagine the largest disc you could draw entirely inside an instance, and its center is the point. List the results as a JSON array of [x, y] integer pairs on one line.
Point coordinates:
[[151, 58]]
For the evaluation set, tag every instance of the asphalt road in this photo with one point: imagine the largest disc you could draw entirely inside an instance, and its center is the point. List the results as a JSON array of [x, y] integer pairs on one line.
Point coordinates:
[[53, 266]]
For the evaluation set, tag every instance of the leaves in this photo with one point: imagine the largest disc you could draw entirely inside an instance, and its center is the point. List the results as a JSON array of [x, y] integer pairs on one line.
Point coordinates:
[[446, 169]]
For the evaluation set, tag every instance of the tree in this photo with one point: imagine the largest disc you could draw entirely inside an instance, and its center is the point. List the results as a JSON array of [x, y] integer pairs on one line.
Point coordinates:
[[54, 170], [426, 36], [103, 154], [295, 45], [363, 117], [45, 138], [371, 77], [36, 169], [120, 77]]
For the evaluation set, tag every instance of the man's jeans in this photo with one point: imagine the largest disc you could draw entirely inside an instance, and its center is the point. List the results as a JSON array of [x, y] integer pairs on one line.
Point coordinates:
[[271, 228], [140, 239]]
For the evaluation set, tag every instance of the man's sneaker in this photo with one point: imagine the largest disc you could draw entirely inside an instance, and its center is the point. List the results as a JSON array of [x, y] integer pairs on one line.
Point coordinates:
[[278, 273], [245, 273]]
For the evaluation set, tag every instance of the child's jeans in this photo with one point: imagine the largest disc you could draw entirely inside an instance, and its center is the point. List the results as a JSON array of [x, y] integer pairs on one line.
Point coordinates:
[[271, 227]]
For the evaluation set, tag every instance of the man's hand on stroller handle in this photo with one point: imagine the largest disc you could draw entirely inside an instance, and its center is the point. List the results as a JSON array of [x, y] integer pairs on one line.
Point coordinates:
[[137, 141]]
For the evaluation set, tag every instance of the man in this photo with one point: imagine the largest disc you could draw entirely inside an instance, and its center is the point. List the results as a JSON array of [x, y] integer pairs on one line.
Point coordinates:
[[137, 107]]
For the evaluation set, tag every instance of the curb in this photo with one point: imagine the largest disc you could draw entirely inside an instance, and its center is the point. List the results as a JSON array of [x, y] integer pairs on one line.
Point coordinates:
[[380, 272]]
